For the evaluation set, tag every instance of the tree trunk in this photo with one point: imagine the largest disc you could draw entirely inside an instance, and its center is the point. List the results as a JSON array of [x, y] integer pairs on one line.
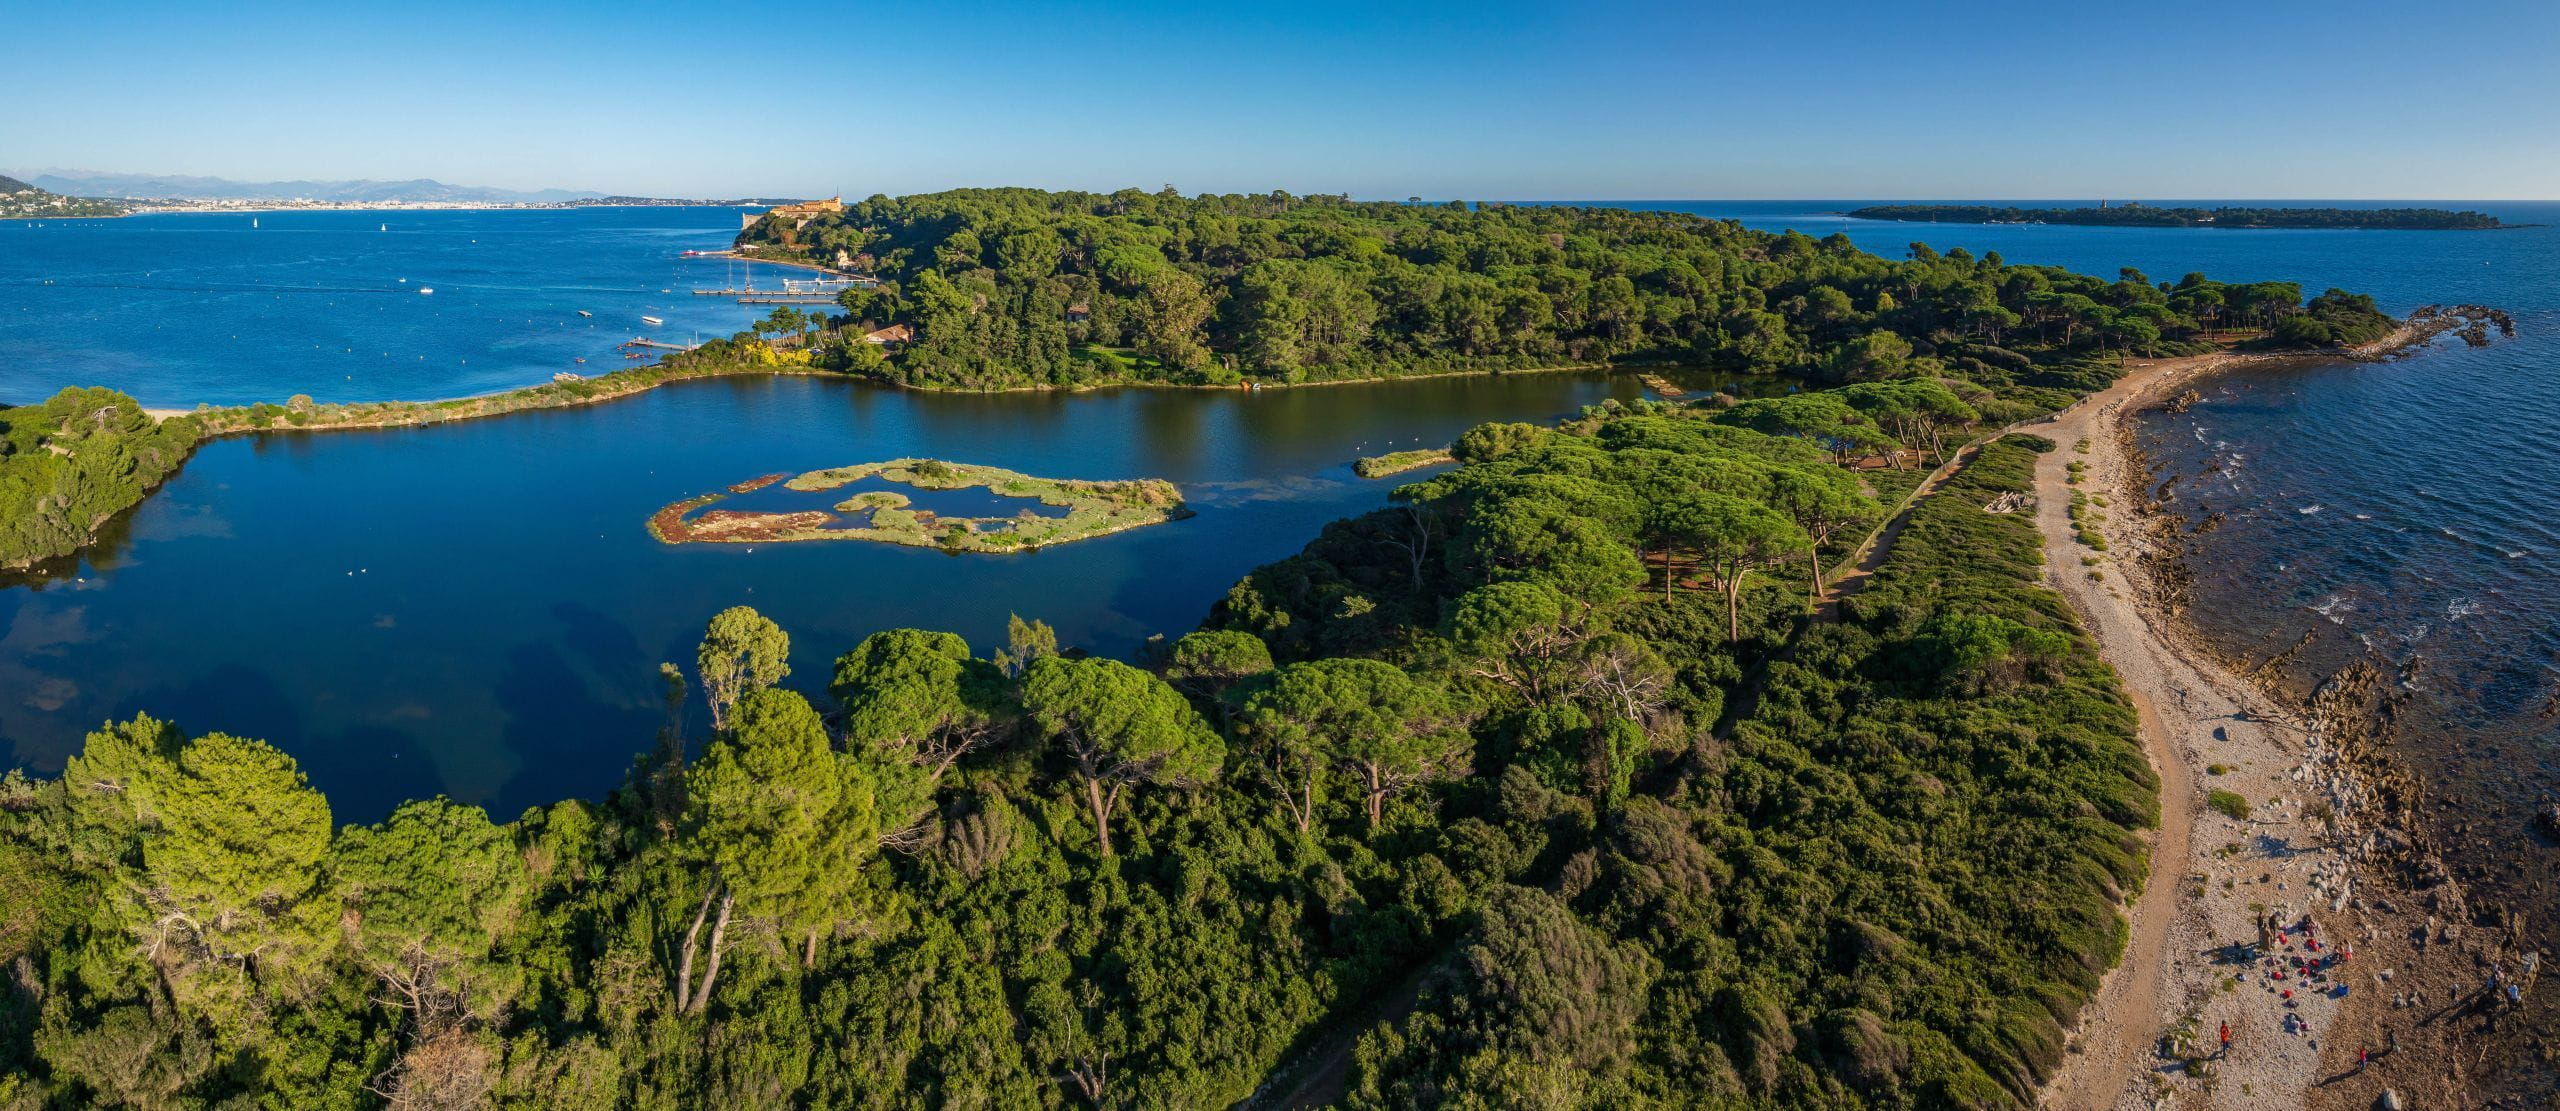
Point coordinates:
[[684, 967], [711, 968], [809, 953], [1307, 799], [1091, 1079], [1813, 575], [1377, 800], [1733, 606], [1666, 572], [1101, 812]]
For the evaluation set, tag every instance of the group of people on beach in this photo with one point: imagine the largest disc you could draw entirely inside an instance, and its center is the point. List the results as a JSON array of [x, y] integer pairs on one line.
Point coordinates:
[[2291, 958]]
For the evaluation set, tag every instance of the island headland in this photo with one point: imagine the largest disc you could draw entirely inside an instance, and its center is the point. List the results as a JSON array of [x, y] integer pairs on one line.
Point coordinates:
[[2137, 215]]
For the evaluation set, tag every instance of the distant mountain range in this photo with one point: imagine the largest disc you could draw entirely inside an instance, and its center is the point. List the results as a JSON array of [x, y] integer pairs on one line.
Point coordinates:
[[86, 183]]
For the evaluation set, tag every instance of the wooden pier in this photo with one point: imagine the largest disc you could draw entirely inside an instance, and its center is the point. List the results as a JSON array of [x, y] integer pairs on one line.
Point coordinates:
[[655, 345]]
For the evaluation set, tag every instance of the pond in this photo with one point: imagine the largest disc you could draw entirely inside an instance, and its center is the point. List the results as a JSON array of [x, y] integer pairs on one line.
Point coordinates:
[[478, 608]]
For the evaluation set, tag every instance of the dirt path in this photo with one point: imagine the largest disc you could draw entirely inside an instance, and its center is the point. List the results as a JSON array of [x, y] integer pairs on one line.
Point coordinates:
[[1880, 543], [2213, 876], [1320, 1076]]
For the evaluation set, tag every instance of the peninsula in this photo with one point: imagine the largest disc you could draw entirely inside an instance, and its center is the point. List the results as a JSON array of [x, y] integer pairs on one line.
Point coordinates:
[[21, 201], [2137, 215], [989, 289]]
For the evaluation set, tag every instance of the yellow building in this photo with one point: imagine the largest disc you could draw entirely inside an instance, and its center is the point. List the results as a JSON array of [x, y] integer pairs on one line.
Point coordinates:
[[798, 214]]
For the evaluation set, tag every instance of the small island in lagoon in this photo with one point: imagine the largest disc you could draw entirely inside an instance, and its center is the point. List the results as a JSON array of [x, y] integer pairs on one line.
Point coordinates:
[[1398, 462], [1091, 509]]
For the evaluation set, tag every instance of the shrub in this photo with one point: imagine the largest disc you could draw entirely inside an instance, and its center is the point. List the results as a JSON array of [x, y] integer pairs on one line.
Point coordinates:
[[2230, 804]]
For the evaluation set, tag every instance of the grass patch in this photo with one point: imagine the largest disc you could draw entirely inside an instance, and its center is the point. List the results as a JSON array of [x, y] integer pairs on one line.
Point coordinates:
[[1892, 486], [2084, 521], [2229, 804]]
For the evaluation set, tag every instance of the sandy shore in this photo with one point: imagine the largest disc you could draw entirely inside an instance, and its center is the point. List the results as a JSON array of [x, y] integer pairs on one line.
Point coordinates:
[[2313, 843]]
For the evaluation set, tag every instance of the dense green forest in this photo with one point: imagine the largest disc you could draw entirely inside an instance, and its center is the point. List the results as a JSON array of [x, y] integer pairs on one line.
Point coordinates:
[[2134, 215], [73, 462], [1551, 741], [1008, 288]]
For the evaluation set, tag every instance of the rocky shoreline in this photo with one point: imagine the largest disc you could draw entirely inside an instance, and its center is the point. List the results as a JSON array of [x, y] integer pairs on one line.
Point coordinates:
[[2343, 840]]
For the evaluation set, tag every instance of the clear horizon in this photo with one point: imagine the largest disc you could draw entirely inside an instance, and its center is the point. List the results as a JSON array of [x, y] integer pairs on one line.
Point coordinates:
[[68, 171], [1517, 102]]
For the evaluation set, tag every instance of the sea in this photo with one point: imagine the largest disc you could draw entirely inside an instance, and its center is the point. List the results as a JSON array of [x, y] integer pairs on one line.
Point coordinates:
[[477, 610]]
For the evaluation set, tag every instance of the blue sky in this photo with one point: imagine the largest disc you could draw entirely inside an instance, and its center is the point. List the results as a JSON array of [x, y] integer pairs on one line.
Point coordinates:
[[1482, 100]]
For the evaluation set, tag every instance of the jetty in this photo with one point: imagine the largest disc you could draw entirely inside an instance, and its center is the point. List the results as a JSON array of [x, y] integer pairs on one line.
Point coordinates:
[[811, 291], [643, 341]]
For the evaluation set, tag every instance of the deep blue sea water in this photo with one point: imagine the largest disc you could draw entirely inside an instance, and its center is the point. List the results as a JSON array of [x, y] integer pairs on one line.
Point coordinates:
[[183, 308]]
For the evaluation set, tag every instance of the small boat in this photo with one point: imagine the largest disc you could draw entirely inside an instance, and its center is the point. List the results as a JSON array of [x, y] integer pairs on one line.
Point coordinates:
[[385, 227], [651, 321], [426, 289], [253, 223], [583, 312], [582, 358]]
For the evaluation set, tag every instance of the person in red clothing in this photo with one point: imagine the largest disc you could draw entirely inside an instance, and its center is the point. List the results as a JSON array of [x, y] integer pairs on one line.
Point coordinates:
[[2226, 1039]]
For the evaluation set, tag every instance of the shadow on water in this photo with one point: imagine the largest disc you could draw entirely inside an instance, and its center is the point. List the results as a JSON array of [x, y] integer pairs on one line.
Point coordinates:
[[555, 719], [607, 646]]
